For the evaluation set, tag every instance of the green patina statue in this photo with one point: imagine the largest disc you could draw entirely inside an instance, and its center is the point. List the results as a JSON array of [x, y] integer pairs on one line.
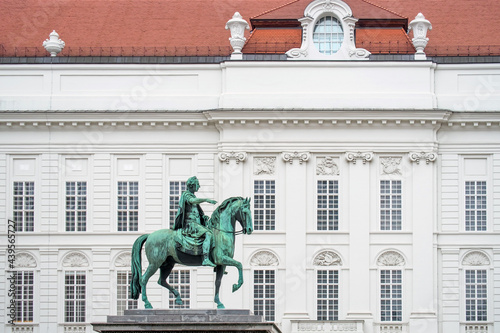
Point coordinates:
[[194, 240]]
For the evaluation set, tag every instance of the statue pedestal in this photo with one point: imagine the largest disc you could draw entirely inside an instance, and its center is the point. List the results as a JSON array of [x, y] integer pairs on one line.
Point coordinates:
[[186, 320]]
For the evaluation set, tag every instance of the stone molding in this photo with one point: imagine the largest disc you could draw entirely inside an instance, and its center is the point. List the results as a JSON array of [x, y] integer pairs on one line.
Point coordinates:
[[476, 258], [74, 259], [124, 260], [354, 156], [264, 258], [239, 156], [327, 258], [427, 156], [326, 166], [391, 258], [25, 260], [264, 165], [291, 156], [391, 165]]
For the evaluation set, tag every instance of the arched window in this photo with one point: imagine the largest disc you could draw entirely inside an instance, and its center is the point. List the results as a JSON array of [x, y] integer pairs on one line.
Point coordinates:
[[327, 265], [264, 284], [328, 35]]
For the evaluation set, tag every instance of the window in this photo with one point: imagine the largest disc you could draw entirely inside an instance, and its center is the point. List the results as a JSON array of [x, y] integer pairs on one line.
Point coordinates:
[[475, 205], [264, 294], [180, 279], [391, 295], [176, 189], [327, 305], [74, 296], [128, 206], [476, 295], [328, 35], [123, 300], [24, 296], [390, 205], [24, 206], [328, 205], [264, 204], [76, 206]]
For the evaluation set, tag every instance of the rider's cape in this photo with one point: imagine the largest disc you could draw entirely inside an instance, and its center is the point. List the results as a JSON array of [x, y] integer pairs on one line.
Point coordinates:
[[181, 212], [185, 242]]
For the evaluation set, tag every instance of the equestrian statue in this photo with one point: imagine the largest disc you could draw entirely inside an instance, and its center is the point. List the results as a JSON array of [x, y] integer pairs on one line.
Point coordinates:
[[194, 240]]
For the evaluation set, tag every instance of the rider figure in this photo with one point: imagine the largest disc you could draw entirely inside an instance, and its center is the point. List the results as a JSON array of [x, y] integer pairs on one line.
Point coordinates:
[[192, 220]]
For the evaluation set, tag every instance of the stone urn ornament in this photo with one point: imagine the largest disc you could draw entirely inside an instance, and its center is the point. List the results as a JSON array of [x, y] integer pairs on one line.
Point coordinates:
[[53, 45], [237, 26], [420, 26]]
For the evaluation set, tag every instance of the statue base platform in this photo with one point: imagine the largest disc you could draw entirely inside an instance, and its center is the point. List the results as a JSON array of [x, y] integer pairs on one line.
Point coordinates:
[[186, 320]]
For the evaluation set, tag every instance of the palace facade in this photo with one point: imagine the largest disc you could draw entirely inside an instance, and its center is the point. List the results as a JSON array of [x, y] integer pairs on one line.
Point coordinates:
[[366, 134]]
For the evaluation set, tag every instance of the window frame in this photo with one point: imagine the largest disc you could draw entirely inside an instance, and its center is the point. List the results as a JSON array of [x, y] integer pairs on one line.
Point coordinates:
[[76, 210], [127, 287], [338, 271], [273, 223], [65, 300], [188, 301], [402, 298], [330, 41], [127, 197], [172, 211], [253, 299], [391, 209], [24, 197]]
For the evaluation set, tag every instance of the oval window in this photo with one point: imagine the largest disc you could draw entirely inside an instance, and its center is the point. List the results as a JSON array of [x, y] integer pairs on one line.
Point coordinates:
[[328, 35]]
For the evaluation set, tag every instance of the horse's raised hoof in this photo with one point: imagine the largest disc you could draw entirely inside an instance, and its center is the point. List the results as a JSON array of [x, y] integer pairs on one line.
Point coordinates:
[[179, 301], [221, 306], [236, 287]]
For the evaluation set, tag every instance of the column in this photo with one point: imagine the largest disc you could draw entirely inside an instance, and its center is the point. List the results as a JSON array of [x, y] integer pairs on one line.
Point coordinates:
[[295, 219], [423, 311], [359, 236]]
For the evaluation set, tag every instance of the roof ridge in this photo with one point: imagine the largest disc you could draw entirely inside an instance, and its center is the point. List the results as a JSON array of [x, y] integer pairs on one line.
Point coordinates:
[[271, 10], [391, 11]]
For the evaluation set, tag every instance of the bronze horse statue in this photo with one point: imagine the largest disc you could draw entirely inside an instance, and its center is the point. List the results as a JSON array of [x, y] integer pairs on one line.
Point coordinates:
[[162, 252]]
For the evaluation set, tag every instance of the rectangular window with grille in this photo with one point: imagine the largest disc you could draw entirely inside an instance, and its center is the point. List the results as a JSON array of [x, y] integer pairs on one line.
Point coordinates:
[[123, 300], [476, 295], [180, 279], [76, 206], [475, 205], [128, 206], [74, 296], [175, 190], [327, 205], [24, 296], [391, 295], [24, 205], [264, 294], [264, 204], [390, 205], [327, 304]]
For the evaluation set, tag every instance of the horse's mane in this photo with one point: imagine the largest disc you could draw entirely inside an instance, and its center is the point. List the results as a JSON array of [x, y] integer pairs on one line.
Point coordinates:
[[215, 219]]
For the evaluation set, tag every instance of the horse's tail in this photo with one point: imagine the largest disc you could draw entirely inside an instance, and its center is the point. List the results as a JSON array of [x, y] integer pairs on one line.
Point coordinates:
[[136, 265]]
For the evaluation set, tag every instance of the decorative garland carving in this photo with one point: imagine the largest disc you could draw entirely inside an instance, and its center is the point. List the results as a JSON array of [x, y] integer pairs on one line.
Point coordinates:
[[124, 260], [353, 156], [264, 165], [427, 156], [391, 258], [264, 258], [237, 156], [24, 260], [326, 166], [301, 156], [476, 258], [391, 165], [327, 258], [75, 260]]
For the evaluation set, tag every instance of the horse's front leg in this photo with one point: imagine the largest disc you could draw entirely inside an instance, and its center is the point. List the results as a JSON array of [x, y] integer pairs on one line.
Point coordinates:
[[144, 281], [227, 261], [218, 277]]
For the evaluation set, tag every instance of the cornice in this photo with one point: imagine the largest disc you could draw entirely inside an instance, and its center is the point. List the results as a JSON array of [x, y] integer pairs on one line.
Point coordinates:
[[226, 118]]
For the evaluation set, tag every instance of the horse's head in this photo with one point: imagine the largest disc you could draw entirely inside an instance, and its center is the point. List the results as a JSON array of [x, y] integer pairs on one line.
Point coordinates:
[[245, 216]]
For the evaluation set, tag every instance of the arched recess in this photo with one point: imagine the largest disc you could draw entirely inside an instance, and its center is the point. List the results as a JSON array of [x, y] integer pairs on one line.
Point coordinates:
[[264, 258]]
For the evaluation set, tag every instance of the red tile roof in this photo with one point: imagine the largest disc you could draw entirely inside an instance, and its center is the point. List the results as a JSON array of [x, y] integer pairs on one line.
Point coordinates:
[[273, 40], [196, 27], [384, 41]]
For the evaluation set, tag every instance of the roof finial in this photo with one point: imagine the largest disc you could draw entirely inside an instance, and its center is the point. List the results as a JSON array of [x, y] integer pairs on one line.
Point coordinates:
[[420, 26], [53, 45], [237, 26]]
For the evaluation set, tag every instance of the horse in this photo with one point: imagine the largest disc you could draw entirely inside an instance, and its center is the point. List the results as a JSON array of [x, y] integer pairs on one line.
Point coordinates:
[[162, 252]]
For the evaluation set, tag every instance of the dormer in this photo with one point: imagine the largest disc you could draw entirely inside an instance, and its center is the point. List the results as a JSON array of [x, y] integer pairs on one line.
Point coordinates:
[[328, 33]]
